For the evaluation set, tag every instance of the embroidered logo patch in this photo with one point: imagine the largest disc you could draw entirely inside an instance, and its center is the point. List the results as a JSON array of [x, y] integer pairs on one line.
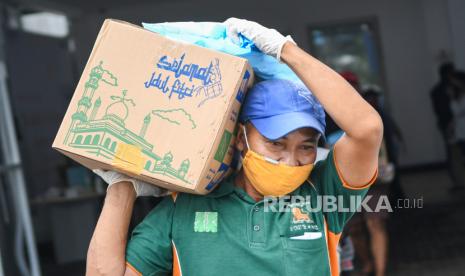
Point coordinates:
[[299, 216], [301, 220], [206, 222]]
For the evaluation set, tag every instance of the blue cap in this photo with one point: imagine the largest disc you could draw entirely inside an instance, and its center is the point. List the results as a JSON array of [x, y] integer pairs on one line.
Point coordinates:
[[277, 107]]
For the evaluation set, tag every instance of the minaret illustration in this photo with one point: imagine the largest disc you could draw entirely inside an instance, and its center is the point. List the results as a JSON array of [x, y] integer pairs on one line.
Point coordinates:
[[143, 130]]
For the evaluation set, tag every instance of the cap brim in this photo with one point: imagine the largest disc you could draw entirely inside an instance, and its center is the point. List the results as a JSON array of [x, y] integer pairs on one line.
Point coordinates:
[[277, 126]]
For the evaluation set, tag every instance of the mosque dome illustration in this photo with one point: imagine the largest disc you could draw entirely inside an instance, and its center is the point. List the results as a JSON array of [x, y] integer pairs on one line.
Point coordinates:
[[118, 110]]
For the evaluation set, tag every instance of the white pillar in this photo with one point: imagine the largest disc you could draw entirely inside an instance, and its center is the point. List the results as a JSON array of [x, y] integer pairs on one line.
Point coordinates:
[[15, 175]]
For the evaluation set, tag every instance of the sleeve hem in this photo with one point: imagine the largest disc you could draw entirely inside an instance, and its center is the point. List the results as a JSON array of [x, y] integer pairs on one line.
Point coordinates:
[[131, 267], [345, 184]]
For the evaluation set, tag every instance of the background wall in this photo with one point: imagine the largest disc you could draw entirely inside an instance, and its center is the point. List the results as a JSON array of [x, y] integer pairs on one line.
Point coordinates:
[[456, 13], [415, 36]]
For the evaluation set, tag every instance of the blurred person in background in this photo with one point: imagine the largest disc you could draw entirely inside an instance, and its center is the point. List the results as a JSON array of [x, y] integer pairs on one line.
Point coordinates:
[[367, 230], [366, 233], [458, 110], [441, 95], [372, 249], [393, 138]]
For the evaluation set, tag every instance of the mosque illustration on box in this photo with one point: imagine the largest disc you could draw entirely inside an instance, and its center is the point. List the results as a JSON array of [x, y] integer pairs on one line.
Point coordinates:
[[100, 136]]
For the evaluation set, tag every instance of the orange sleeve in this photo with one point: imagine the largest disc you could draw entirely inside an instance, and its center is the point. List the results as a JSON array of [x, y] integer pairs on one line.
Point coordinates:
[[345, 183], [133, 269]]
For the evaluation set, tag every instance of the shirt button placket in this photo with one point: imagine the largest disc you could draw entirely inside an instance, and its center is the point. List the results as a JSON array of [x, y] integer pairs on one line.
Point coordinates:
[[257, 223]]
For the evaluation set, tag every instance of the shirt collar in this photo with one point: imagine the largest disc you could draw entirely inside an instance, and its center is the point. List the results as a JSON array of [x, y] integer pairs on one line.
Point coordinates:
[[225, 187]]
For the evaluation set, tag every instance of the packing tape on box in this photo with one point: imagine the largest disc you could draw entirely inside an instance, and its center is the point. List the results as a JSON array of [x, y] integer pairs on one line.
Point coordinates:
[[129, 159]]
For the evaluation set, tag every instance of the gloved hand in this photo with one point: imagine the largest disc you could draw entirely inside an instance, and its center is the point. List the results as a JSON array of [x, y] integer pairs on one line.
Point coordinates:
[[269, 41], [141, 188]]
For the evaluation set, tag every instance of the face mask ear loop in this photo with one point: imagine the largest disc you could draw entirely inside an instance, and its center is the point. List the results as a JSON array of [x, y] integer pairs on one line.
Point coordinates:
[[272, 161], [245, 136]]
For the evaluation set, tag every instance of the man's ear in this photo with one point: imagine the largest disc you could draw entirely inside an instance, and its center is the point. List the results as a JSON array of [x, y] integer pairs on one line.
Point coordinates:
[[240, 142]]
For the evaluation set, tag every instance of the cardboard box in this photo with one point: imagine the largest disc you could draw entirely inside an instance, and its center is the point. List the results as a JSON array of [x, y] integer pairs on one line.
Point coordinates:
[[159, 110]]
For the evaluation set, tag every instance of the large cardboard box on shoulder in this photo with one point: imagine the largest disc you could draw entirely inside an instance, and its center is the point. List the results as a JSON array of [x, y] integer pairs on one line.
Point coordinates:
[[159, 110]]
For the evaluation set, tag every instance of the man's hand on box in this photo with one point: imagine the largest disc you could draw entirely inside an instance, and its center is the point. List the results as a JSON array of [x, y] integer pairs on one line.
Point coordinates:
[[269, 41], [141, 188]]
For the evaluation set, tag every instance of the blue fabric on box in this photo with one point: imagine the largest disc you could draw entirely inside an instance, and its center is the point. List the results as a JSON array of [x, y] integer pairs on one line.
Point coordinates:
[[213, 35]]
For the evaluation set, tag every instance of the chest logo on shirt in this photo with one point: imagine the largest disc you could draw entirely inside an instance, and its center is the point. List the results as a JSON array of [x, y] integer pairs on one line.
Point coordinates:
[[301, 221], [300, 217], [206, 222]]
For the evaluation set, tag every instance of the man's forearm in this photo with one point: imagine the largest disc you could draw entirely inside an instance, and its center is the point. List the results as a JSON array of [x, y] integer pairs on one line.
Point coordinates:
[[106, 254], [342, 102], [357, 154]]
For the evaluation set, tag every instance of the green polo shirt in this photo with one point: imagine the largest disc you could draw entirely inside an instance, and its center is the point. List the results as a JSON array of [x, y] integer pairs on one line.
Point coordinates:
[[227, 233]]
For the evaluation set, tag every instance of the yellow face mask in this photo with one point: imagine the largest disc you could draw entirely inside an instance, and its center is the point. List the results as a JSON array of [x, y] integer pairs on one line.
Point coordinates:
[[271, 178]]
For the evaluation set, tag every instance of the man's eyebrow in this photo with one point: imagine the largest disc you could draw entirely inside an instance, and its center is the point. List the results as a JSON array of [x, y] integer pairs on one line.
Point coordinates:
[[311, 139], [273, 140]]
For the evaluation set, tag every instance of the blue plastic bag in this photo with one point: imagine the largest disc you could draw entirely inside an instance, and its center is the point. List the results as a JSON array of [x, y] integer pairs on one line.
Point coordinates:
[[212, 35]]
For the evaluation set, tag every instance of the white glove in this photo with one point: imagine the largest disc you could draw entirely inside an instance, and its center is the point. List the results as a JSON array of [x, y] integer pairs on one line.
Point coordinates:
[[269, 41], [142, 188]]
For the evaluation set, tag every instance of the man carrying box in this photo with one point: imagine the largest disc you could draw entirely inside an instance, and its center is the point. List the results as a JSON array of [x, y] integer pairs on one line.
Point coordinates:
[[241, 227]]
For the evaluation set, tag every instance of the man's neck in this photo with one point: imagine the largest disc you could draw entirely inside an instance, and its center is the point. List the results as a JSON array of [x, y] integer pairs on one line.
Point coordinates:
[[242, 182]]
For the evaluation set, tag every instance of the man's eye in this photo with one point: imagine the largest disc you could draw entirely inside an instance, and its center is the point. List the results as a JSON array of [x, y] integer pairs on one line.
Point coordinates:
[[275, 143], [308, 147]]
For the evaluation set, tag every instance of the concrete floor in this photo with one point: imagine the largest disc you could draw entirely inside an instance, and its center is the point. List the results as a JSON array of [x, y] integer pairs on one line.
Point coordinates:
[[430, 240]]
